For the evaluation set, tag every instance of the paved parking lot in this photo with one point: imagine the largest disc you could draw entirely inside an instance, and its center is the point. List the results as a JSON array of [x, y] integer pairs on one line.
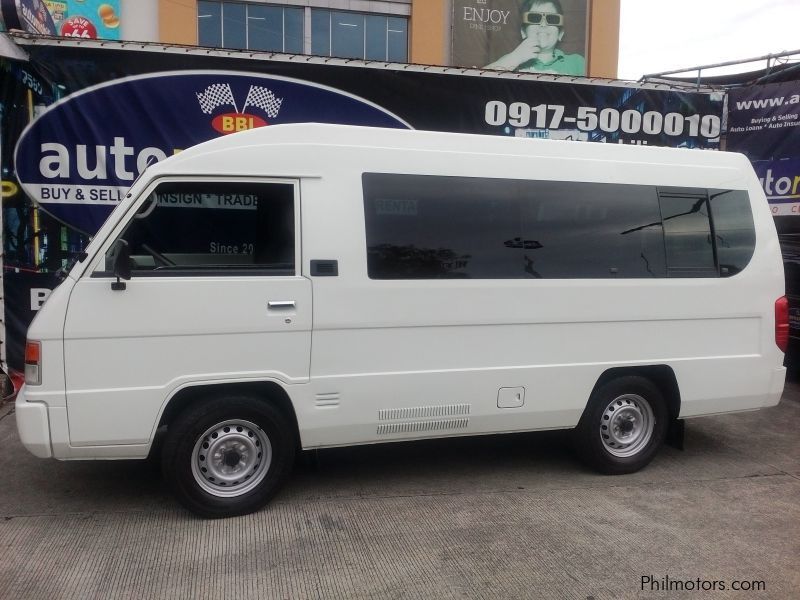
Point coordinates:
[[494, 517]]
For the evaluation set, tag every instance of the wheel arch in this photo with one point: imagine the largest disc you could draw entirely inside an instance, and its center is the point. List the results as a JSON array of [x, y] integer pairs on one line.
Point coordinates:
[[265, 391], [662, 376]]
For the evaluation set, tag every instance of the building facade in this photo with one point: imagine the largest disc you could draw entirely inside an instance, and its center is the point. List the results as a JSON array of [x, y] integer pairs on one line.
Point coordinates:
[[464, 33]]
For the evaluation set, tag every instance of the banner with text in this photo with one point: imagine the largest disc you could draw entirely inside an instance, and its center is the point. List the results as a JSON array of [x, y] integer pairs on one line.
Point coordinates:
[[781, 182], [764, 120], [764, 124], [31, 16]]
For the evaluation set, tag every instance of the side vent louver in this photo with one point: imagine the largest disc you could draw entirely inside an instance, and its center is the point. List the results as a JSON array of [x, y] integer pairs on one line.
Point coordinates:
[[408, 420], [418, 412], [330, 400]]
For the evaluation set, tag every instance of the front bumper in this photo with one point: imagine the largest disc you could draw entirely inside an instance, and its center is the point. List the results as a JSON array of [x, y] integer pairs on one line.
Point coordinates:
[[33, 426]]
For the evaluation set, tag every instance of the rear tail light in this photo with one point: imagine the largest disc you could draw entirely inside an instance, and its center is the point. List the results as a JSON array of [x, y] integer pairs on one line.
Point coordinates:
[[33, 363], [782, 323]]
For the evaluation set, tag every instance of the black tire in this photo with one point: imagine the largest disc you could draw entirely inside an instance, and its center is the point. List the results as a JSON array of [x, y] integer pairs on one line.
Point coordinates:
[[622, 403], [250, 432]]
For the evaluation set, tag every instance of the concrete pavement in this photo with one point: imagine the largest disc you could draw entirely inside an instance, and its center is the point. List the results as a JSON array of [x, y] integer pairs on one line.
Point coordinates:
[[494, 517]]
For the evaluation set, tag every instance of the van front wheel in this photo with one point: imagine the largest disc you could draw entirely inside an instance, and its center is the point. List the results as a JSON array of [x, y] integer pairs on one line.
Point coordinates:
[[623, 426], [228, 456]]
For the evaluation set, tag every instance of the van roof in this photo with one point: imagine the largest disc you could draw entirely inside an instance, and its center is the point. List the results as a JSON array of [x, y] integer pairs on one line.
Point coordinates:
[[349, 136]]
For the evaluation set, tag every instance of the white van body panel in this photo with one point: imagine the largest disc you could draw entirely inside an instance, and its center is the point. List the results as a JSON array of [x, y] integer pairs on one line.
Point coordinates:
[[173, 331], [366, 360]]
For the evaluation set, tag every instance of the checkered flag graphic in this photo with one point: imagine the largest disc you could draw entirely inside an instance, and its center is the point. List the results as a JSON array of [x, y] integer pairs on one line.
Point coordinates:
[[217, 94], [263, 99]]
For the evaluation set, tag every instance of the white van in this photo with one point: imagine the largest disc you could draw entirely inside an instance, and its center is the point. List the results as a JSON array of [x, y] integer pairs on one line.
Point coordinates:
[[307, 286]]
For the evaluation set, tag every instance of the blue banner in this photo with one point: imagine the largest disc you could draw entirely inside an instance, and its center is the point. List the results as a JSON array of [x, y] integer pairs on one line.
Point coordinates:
[[764, 121], [78, 159], [781, 182]]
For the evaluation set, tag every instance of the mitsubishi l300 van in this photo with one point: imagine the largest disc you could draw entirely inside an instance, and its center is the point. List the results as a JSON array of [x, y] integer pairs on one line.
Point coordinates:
[[308, 286]]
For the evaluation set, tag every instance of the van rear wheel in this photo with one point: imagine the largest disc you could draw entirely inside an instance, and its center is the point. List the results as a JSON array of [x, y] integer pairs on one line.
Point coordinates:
[[228, 456], [623, 426]]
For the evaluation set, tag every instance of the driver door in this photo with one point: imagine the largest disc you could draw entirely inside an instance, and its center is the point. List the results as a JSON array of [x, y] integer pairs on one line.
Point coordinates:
[[214, 294]]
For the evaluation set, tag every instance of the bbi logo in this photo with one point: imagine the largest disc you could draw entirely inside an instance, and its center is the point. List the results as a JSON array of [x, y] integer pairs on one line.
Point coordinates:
[[220, 94]]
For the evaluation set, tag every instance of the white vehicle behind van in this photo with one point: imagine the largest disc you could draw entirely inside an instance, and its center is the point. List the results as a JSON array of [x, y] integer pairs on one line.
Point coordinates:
[[307, 286]]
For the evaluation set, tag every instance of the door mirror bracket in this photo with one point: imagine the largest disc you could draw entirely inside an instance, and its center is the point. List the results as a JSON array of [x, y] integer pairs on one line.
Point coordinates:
[[122, 264]]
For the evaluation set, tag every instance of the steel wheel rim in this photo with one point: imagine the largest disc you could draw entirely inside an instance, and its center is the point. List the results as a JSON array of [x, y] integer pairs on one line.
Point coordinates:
[[627, 425], [231, 458]]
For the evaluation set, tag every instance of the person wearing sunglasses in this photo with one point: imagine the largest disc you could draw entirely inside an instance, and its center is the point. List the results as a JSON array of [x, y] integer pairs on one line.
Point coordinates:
[[542, 30]]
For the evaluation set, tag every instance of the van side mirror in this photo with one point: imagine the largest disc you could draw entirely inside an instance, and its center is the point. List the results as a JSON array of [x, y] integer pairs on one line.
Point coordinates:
[[122, 264]]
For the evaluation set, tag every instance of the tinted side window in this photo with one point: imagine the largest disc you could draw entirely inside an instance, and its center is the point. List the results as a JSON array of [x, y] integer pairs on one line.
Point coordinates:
[[733, 229], [687, 236], [423, 227], [200, 226], [592, 230], [426, 227]]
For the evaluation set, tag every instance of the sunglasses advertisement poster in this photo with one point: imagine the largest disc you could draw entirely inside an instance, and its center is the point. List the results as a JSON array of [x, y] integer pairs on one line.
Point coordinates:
[[527, 36]]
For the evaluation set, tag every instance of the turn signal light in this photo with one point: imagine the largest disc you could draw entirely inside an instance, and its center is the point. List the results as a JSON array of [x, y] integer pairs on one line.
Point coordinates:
[[33, 363], [782, 323]]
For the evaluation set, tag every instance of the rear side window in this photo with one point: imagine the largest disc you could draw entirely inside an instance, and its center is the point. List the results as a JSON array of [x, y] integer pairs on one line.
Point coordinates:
[[693, 220], [734, 231], [194, 227], [687, 235]]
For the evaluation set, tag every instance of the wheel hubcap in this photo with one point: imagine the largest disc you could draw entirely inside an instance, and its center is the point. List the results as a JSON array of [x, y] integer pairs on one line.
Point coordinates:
[[231, 458], [627, 425]]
